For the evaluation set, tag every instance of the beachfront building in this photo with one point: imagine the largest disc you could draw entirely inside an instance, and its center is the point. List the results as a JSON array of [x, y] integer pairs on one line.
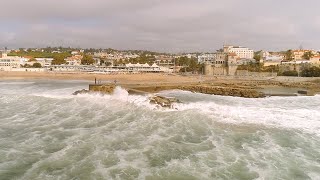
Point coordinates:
[[218, 66], [8, 64], [130, 56], [271, 56], [206, 58], [315, 60], [123, 69], [242, 52], [164, 60], [75, 52], [193, 55], [74, 60], [142, 68], [44, 61], [298, 54], [275, 62]]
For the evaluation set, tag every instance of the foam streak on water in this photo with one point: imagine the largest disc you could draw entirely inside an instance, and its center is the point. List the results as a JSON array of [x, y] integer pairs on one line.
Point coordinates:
[[46, 133]]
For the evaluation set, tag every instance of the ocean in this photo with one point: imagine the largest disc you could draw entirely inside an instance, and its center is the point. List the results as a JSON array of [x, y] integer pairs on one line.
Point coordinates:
[[47, 133]]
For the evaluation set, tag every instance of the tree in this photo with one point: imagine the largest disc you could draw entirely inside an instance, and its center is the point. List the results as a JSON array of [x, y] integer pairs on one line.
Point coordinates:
[[290, 73], [58, 60], [289, 55], [307, 55], [36, 65], [257, 56], [27, 66], [193, 65], [101, 62], [311, 72], [87, 60], [108, 63], [32, 60]]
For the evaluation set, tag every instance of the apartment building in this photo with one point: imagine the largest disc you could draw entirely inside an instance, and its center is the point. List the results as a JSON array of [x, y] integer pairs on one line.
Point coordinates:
[[206, 58], [7, 64], [298, 54], [315, 60], [242, 52]]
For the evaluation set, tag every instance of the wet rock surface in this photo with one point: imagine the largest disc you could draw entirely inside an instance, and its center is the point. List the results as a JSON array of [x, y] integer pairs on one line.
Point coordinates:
[[83, 91], [105, 88], [224, 91], [164, 101]]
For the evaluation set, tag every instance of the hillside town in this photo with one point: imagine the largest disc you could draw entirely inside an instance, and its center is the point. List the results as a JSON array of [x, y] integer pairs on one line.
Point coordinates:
[[227, 61]]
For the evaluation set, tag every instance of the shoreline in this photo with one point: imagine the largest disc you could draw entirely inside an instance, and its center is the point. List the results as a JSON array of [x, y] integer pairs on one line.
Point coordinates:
[[217, 85]]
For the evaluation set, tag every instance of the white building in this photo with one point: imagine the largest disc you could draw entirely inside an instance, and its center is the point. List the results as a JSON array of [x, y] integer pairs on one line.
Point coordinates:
[[295, 62], [206, 58], [315, 60], [44, 61], [7, 64], [75, 52], [242, 52], [142, 67]]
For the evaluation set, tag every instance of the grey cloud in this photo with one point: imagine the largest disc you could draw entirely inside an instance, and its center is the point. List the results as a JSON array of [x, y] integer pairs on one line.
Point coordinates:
[[167, 25]]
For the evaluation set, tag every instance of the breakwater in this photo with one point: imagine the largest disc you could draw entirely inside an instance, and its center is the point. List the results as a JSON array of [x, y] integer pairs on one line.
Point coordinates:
[[196, 88]]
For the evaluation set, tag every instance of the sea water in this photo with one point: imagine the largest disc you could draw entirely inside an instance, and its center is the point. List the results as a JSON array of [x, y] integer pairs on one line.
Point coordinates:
[[47, 133]]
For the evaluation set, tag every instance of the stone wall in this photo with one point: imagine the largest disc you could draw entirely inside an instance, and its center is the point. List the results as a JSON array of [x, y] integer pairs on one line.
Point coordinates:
[[108, 88], [255, 74], [219, 70], [224, 91]]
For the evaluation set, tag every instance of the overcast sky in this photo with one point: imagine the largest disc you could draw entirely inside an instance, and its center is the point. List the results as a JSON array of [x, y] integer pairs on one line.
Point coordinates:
[[161, 25]]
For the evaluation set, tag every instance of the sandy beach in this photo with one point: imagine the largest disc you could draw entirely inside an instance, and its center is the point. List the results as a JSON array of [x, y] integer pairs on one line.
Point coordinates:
[[122, 78], [173, 79]]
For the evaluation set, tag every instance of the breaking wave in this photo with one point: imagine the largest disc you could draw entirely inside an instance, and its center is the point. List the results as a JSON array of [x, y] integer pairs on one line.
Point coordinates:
[[47, 133]]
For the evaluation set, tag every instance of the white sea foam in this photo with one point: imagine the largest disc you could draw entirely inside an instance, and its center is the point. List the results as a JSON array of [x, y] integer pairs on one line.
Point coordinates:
[[48, 133], [15, 83]]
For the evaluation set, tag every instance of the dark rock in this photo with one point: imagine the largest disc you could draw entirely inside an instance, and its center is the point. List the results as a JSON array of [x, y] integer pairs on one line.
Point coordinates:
[[164, 101], [83, 91]]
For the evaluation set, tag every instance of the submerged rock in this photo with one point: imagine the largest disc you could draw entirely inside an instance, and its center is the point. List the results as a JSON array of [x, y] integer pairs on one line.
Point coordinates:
[[164, 101], [83, 91]]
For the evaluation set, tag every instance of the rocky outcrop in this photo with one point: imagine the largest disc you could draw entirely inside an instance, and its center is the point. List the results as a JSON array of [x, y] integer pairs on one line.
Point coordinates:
[[163, 101], [224, 91], [83, 91], [237, 91], [106, 88]]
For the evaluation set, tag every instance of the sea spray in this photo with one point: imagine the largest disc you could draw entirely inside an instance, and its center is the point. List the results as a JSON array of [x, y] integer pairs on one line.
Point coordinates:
[[47, 133]]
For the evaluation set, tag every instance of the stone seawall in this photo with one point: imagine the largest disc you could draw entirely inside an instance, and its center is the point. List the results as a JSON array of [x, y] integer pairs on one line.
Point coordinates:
[[103, 88], [224, 91], [205, 89]]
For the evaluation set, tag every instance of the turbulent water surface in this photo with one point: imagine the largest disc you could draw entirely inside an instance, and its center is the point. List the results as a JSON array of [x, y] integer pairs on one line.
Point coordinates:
[[46, 133]]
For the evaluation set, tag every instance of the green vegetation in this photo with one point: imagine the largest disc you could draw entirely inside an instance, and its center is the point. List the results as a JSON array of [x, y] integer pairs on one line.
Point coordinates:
[[307, 55], [308, 71], [190, 64], [58, 60], [32, 60], [257, 56], [289, 55], [311, 72], [36, 65], [258, 67], [289, 73], [38, 54], [144, 58], [108, 63], [87, 60]]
